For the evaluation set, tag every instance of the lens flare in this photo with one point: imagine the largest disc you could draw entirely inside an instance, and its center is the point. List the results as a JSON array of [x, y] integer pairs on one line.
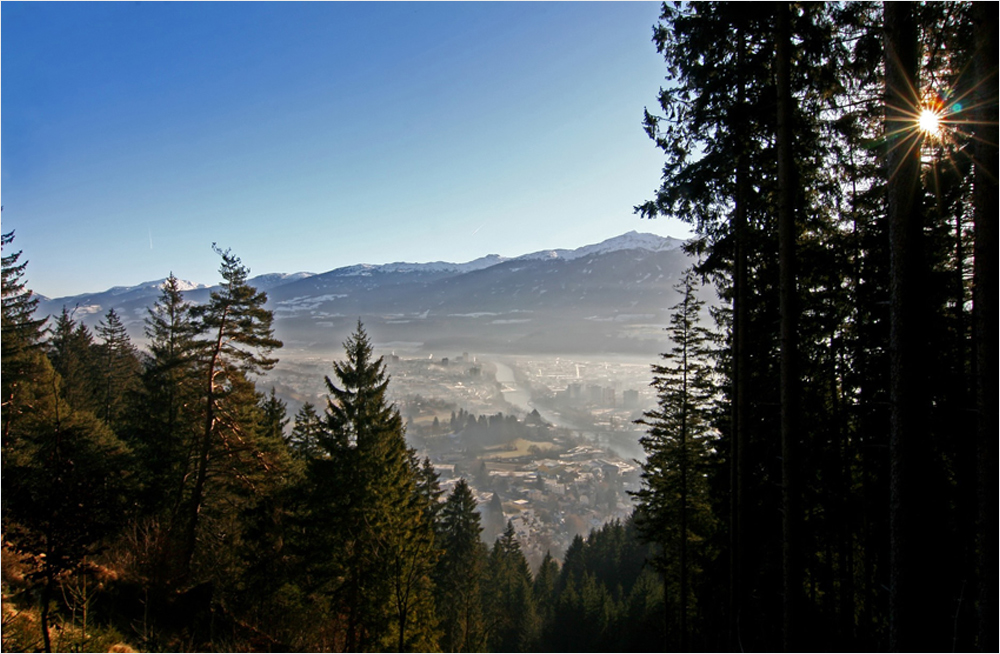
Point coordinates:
[[930, 122]]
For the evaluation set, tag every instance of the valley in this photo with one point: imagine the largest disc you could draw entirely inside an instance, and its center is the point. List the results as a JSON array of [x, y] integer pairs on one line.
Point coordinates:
[[565, 468], [554, 347]]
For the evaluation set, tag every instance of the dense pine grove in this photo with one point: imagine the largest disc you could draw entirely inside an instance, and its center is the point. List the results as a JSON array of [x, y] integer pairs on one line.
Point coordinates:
[[847, 245], [821, 466]]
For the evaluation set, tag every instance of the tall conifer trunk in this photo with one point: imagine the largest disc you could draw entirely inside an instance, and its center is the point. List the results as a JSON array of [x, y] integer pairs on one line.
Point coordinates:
[[204, 453], [686, 405], [240, 333], [791, 557], [985, 310], [908, 437], [739, 437]]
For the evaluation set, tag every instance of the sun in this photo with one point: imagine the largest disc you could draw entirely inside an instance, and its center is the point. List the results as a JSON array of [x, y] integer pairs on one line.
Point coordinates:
[[929, 122]]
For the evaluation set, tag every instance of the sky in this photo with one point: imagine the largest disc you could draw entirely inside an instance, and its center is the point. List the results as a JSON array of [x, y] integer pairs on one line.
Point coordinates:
[[310, 136]]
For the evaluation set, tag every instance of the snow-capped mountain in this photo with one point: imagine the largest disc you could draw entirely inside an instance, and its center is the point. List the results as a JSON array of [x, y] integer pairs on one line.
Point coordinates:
[[270, 280], [364, 269], [131, 302], [631, 241], [610, 296], [151, 287]]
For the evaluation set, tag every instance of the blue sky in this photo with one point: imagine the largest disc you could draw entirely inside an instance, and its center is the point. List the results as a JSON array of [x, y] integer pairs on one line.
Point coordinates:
[[317, 135]]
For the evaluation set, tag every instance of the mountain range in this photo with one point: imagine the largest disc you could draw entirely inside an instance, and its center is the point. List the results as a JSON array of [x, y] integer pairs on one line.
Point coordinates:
[[611, 297]]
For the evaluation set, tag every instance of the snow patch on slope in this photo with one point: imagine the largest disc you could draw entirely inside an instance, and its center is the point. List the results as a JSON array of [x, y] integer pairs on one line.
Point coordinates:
[[631, 241], [367, 269], [155, 285]]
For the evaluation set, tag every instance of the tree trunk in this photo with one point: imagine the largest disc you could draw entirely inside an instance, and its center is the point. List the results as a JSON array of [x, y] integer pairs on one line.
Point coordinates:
[[685, 404], [985, 313], [204, 453], [738, 447], [44, 613], [908, 438], [791, 556]]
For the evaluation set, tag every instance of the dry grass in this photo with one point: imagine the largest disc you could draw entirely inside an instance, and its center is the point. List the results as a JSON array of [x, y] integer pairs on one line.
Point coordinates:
[[517, 448]]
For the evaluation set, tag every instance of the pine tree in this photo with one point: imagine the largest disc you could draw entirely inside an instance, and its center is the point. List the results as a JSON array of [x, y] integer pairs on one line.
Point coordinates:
[[66, 477], [544, 590], [428, 489], [908, 441], [383, 534], [459, 573], [235, 339], [119, 369], [672, 505], [985, 301], [166, 412], [512, 622], [65, 488], [264, 587], [21, 333], [19, 303], [716, 129], [72, 352], [308, 432], [598, 573], [273, 417], [760, 123], [788, 307]]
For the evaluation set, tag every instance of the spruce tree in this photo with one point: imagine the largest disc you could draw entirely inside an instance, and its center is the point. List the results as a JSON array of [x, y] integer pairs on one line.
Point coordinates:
[[66, 477], [672, 505], [21, 333], [72, 352], [383, 535], [119, 369], [513, 622], [166, 411], [308, 431], [544, 589], [909, 436], [985, 298], [274, 417], [459, 573], [428, 489], [813, 125]]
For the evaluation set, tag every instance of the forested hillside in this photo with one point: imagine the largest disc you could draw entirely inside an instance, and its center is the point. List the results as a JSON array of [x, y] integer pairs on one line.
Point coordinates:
[[838, 162], [821, 465], [158, 500]]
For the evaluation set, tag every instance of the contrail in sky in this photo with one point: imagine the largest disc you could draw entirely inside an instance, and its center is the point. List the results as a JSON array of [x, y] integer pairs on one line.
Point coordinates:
[[478, 228], [150, 237]]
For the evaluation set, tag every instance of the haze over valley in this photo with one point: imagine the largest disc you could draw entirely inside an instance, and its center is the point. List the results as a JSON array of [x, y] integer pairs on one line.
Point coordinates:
[[499, 327], [562, 339], [609, 298]]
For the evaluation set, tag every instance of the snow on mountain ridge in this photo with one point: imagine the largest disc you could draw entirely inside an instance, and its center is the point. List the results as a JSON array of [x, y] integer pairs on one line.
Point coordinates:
[[264, 281], [630, 241], [156, 285], [270, 280], [434, 266]]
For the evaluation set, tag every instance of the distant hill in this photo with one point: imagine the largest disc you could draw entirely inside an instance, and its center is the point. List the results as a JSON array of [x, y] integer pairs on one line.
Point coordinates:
[[611, 297]]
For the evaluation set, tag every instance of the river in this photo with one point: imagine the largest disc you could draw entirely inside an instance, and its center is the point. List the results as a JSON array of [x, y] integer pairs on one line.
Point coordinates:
[[513, 393]]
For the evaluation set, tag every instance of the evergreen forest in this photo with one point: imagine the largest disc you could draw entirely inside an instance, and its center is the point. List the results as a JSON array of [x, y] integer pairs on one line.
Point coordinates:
[[820, 470]]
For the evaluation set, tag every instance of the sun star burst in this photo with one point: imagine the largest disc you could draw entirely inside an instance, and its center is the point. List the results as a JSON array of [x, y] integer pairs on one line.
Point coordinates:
[[929, 122]]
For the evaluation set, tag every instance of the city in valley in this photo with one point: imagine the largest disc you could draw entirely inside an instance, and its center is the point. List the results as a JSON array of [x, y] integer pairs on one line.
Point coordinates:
[[547, 443]]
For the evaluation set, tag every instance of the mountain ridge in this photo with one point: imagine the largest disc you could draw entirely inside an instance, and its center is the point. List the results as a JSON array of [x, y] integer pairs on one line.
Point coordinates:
[[265, 281], [609, 297]]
